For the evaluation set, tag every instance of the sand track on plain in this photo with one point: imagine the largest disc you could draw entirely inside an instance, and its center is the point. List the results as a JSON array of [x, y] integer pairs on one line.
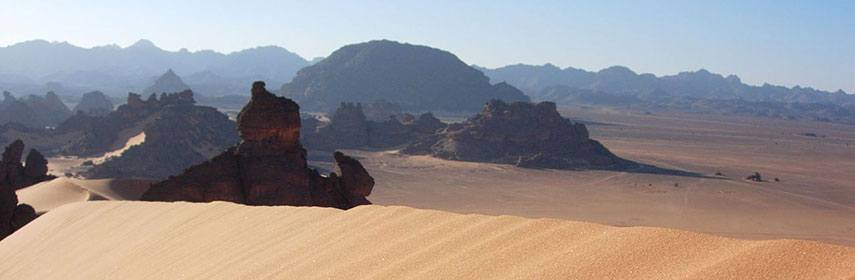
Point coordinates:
[[147, 240]]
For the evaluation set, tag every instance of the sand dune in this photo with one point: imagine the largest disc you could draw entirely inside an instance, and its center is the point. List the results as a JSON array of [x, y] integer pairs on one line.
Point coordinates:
[[46, 196], [144, 240], [116, 189]]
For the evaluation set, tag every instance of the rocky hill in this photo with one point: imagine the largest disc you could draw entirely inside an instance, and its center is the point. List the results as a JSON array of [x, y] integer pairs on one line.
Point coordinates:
[[180, 136], [419, 78], [168, 82], [94, 104], [34, 111], [521, 133], [269, 166]]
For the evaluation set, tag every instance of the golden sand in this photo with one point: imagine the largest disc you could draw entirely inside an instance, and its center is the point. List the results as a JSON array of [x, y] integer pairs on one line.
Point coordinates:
[[148, 240]]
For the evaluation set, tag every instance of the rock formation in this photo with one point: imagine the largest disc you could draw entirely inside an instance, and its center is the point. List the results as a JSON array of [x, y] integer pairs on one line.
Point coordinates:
[[13, 176], [381, 110], [179, 136], [419, 78], [34, 111], [521, 133], [754, 177], [269, 166], [94, 104], [348, 129]]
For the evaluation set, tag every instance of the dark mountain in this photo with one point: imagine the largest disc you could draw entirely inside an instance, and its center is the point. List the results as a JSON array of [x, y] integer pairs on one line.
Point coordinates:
[[116, 70], [94, 104], [417, 77]]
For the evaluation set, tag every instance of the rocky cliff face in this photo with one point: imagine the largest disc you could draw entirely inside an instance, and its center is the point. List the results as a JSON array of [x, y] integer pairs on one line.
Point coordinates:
[[522, 133], [94, 104], [269, 166], [349, 129], [13, 176]]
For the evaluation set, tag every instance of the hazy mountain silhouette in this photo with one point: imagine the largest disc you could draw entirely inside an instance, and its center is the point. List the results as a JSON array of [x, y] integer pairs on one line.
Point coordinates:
[[116, 70], [417, 77], [33, 111], [688, 92], [623, 81], [166, 83]]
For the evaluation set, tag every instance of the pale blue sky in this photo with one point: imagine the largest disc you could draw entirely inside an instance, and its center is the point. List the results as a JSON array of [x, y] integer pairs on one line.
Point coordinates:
[[807, 43]]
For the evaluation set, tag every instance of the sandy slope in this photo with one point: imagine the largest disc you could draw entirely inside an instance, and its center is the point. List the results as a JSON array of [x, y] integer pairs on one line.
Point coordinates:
[[59, 166], [815, 199], [140, 240], [46, 196]]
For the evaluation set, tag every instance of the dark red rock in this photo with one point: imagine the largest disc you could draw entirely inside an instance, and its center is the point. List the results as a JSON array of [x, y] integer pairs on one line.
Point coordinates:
[[14, 176], [36, 165], [354, 177], [755, 177], [22, 215], [268, 167]]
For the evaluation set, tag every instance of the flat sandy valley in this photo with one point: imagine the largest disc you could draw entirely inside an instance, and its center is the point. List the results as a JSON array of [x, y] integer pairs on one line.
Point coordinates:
[[814, 200]]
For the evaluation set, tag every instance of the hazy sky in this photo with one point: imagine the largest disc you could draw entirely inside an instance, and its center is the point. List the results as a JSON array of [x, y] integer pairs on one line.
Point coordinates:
[[807, 43]]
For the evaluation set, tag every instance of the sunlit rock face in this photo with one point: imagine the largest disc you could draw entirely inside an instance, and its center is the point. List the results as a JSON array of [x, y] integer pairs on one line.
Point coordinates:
[[269, 166]]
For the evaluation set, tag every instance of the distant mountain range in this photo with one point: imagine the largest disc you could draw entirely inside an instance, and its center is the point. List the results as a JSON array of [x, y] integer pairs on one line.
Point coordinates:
[[690, 92], [620, 80], [35, 67]]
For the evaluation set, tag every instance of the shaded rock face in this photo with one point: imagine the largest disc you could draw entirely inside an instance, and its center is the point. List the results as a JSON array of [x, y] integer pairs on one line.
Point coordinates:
[[419, 78], [349, 129], [269, 166], [13, 176], [94, 104], [178, 138], [521, 133]]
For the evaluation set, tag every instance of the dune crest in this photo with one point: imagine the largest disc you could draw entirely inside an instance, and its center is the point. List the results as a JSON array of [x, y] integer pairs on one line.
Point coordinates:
[[157, 240]]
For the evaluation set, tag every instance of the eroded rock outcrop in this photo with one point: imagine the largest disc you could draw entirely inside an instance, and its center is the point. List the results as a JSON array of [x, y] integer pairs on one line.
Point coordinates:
[[521, 133], [269, 166], [179, 136], [349, 128], [13, 176]]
